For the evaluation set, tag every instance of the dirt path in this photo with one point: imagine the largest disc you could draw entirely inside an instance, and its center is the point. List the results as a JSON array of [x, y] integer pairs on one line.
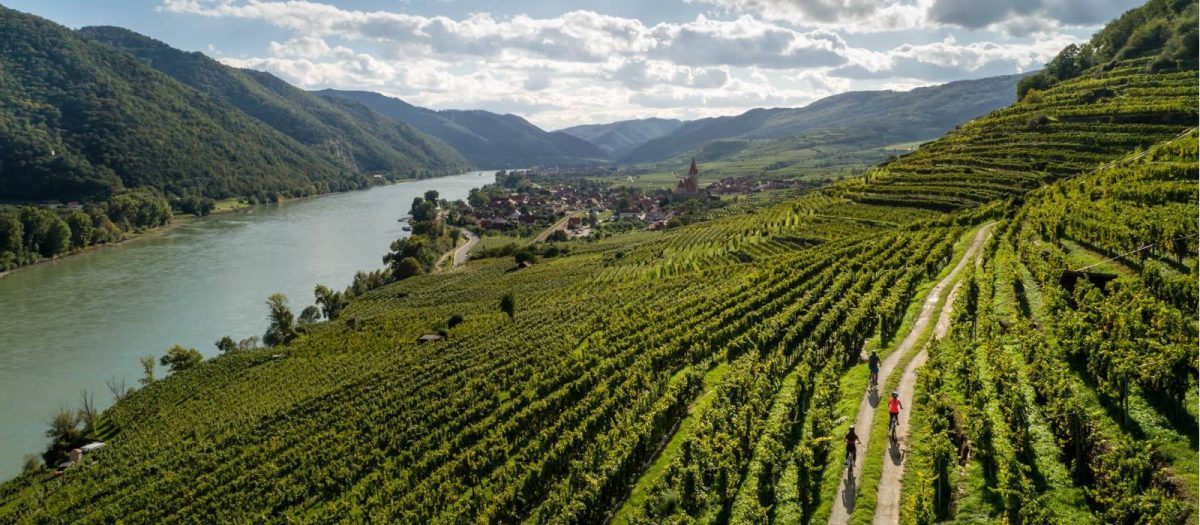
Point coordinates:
[[562, 223], [844, 502], [887, 501], [460, 253]]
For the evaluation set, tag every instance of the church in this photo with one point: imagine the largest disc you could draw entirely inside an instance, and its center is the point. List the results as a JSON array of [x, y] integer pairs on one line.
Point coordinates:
[[689, 185]]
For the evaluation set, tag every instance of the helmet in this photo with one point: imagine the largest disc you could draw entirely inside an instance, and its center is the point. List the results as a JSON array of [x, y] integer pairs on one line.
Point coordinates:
[[852, 427], [895, 393]]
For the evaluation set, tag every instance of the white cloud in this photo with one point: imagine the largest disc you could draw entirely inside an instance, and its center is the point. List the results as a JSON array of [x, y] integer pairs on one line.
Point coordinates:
[[881, 15], [304, 47], [584, 65], [851, 16], [948, 60], [976, 14]]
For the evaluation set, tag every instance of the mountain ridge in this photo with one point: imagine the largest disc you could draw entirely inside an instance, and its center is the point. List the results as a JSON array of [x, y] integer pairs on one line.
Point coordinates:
[[337, 131], [489, 140], [920, 113], [619, 138], [84, 120]]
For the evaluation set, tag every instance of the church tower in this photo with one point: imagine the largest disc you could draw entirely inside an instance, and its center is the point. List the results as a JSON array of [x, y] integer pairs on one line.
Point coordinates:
[[689, 185]]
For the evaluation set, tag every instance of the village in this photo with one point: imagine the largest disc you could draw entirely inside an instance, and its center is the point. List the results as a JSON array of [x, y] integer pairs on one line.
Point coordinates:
[[524, 203]]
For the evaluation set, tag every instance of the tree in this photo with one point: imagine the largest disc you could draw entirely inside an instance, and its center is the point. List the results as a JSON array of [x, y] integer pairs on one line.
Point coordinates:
[[226, 344], [82, 229], [331, 302], [179, 358], [431, 196], [44, 231], [64, 434], [58, 238], [117, 388], [310, 315], [12, 234], [415, 247], [148, 364], [406, 267], [423, 210], [87, 409], [249, 343], [508, 305], [32, 463], [455, 320], [282, 328], [526, 254]]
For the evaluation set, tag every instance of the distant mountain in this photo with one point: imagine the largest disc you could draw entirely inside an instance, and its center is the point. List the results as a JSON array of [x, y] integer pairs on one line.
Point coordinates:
[[619, 138], [884, 116], [488, 140], [342, 132], [79, 119]]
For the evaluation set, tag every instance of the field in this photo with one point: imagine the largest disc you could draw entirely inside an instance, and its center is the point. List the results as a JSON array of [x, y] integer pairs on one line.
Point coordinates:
[[795, 159], [707, 373]]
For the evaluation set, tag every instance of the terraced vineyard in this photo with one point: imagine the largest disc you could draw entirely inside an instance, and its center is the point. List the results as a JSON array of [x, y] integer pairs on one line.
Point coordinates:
[[706, 374], [1075, 351], [1068, 129]]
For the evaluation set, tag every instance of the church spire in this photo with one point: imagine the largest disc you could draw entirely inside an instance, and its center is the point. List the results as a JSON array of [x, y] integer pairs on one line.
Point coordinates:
[[692, 170]]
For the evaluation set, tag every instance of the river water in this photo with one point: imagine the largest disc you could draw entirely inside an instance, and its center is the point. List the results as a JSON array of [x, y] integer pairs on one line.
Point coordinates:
[[72, 324]]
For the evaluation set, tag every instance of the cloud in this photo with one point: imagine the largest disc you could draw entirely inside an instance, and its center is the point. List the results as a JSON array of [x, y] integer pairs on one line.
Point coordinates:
[[583, 36], [948, 60], [305, 47], [857, 16], [852, 16], [582, 64], [975, 14], [745, 42], [641, 74]]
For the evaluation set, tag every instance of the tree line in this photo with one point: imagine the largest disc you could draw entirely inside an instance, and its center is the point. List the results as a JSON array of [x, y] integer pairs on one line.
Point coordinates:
[[31, 233]]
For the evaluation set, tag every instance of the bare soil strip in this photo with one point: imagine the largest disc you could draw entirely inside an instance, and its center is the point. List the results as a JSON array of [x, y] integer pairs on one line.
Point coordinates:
[[844, 502]]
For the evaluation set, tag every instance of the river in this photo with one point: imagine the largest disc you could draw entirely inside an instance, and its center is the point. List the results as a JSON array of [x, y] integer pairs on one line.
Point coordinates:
[[70, 325]]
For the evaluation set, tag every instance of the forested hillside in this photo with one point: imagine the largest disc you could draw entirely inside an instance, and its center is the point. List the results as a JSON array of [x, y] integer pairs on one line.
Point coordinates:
[[343, 133], [82, 120], [875, 118], [619, 138], [487, 139], [1031, 276]]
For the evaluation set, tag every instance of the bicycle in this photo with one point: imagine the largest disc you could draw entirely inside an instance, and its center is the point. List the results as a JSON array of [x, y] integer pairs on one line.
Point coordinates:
[[850, 459], [892, 424]]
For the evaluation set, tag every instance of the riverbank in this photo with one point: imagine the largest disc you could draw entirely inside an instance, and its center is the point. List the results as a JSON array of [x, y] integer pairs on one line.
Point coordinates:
[[75, 324], [128, 237], [223, 207]]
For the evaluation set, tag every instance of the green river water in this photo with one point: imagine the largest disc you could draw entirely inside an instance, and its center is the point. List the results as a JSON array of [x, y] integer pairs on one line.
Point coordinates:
[[70, 325]]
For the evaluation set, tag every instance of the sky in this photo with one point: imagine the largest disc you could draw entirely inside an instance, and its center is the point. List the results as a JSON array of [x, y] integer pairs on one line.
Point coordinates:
[[567, 62]]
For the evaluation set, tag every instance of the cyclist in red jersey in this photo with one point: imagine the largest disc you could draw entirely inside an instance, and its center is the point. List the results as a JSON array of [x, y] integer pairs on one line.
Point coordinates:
[[894, 407]]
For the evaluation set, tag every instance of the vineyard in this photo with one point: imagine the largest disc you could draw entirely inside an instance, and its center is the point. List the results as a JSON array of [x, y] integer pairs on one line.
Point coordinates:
[[1065, 130], [1067, 391], [707, 373]]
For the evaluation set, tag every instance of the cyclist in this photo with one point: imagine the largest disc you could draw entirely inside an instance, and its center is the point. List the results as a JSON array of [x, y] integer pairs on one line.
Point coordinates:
[[894, 406], [873, 366], [852, 443]]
